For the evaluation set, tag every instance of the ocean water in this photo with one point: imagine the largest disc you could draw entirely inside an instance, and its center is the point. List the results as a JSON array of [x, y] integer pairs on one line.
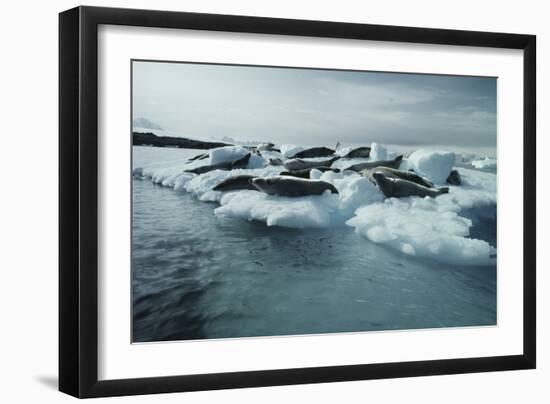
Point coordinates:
[[196, 276]]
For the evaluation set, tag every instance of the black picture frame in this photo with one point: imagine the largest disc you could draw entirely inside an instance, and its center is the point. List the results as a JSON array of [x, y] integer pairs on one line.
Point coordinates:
[[78, 201]]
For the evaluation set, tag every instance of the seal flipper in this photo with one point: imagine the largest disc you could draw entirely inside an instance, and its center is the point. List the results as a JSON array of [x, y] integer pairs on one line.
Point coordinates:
[[334, 190], [240, 163]]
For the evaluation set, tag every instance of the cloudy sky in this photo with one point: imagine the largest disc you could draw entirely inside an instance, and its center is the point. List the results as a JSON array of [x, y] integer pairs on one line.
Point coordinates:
[[309, 106]]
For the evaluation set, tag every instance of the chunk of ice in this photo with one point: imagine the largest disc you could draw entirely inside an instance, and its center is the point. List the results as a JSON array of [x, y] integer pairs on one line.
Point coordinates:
[[434, 164]]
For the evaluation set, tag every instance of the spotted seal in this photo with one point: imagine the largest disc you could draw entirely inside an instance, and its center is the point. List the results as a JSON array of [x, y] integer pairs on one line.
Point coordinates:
[[226, 165], [292, 186], [399, 188]]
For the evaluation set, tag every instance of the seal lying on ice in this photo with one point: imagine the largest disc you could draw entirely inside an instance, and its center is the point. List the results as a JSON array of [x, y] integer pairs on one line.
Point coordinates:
[[299, 164], [275, 161], [454, 178], [373, 164], [226, 165], [358, 152], [235, 183], [399, 174], [314, 152], [305, 172], [291, 186], [399, 188], [267, 147]]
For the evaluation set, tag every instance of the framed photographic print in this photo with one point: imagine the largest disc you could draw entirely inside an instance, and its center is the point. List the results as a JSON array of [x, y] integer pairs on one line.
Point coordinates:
[[250, 201]]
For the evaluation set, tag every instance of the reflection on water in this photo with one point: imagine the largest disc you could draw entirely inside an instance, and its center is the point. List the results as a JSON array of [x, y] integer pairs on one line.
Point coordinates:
[[198, 276]]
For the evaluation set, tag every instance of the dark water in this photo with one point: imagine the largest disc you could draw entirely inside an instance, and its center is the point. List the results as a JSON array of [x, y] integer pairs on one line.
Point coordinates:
[[199, 276]]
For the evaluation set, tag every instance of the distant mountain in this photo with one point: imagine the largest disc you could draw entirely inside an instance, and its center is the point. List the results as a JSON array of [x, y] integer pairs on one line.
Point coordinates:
[[145, 123], [150, 139]]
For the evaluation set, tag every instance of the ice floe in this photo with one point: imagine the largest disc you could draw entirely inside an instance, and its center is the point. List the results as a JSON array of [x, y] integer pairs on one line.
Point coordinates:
[[485, 163], [434, 164], [289, 150], [302, 212], [232, 153], [422, 227], [378, 152]]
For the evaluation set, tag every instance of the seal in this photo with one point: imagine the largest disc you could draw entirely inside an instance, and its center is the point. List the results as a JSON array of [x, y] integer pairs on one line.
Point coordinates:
[[398, 188], [314, 152], [267, 147], [358, 152], [226, 165], [399, 174], [299, 164], [454, 178], [275, 161], [291, 186], [253, 149], [373, 164], [235, 183], [305, 173]]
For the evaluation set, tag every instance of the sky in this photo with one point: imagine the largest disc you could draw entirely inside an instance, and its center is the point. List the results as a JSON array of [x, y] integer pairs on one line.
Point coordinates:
[[317, 107]]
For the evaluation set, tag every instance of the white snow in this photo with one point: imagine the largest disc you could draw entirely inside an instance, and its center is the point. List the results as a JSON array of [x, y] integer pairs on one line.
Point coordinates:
[[487, 163], [419, 227], [289, 150], [304, 212], [315, 174], [433, 164], [378, 152], [464, 157], [232, 153], [356, 191], [227, 153], [478, 189]]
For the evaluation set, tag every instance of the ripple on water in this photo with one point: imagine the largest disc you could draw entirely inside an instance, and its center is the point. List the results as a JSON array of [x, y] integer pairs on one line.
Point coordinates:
[[196, 276]]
